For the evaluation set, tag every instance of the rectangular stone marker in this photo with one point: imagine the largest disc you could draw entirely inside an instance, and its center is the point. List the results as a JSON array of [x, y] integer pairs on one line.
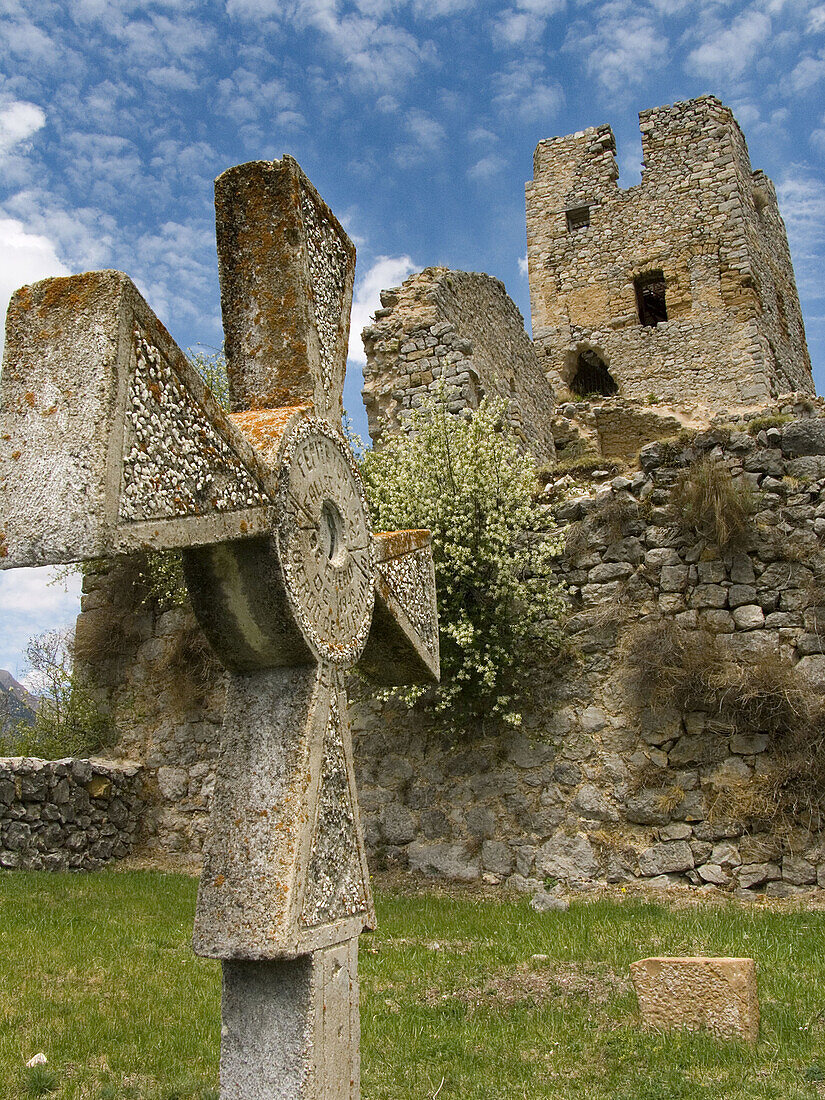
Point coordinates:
[[717, 995], [109, 442]]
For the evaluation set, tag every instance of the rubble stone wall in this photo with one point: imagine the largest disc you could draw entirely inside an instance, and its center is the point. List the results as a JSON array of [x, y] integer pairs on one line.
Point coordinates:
[[460, 329], [591, 788], [734, 334], [60, 815]]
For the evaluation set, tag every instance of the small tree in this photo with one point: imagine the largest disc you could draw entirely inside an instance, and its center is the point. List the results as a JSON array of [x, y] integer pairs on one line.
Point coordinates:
[[500, 609], [68, 721]]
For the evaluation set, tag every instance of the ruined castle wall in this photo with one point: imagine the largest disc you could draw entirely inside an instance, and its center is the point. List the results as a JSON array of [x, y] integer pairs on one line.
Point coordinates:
[[460, 329], [157, 677], [733, 335], [595, 786], [592, 787]]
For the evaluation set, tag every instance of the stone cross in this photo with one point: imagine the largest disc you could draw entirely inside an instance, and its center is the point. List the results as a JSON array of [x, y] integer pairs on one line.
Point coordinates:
[[110, 443]]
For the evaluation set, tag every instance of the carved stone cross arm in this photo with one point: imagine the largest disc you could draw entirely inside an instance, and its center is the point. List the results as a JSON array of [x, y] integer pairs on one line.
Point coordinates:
[[109, 442]]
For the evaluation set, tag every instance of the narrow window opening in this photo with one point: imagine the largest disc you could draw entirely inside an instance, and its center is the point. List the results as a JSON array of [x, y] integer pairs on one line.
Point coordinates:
[[650, 298], [579, 218], [592, 377]]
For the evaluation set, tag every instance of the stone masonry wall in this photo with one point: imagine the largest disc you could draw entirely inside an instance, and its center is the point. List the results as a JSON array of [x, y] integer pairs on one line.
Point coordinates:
[[165, 690], [59, 815], [460, 329], [590, 789], [734, 334]]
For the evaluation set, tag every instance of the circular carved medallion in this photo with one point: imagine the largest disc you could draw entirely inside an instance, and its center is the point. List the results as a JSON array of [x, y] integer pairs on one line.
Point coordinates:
[[325, 543]]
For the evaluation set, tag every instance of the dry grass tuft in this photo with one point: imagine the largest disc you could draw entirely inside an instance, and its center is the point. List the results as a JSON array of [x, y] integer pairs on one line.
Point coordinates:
[[193, 669], [670, 668], [708, 502]]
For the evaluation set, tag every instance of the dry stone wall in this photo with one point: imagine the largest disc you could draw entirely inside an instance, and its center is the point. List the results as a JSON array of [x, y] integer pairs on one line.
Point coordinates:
[[702, 218], [58, 815], [459, 329]]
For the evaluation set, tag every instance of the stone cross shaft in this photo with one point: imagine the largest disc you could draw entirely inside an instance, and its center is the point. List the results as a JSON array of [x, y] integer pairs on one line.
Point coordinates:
[[110, 443]]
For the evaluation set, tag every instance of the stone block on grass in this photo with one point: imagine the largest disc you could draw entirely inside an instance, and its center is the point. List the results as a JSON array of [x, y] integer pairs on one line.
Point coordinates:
[[697, 993]]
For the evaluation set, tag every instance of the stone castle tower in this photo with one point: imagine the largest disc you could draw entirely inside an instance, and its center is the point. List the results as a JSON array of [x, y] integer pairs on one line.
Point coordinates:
[[680, 287]]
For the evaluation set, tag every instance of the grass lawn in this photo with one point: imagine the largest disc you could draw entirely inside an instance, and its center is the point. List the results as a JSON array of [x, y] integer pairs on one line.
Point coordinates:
[[465, 997]]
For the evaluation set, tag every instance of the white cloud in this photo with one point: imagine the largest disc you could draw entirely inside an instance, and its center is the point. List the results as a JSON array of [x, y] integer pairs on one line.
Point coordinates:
[[480, 133], [622, 49], [245, 97], [427, 136], [802, 203], [807, 72], [487, 167], [525, 22], [18, 121], [729, 51], [433, 9], [816, 19], [521, 91], [172, 77], [426, 131], [514, 28], [254, 9], [386, 272], [24, 258], [29, 605], [379, 54], [522, 266]]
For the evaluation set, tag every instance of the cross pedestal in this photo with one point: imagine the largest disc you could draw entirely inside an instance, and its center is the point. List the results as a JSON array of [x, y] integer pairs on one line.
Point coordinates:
[[110, 443]]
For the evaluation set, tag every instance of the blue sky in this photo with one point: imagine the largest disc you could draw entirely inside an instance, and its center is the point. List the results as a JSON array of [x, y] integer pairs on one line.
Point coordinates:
[[416, 120]]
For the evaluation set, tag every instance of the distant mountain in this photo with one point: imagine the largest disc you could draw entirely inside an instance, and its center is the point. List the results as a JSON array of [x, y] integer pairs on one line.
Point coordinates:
[[16, 704]]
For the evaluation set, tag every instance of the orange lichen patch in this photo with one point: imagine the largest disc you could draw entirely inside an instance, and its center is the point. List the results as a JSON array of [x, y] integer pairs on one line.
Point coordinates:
[[220, 880], [70, 291], [16, 454], [394, 544], [264, 428], [30, 399]]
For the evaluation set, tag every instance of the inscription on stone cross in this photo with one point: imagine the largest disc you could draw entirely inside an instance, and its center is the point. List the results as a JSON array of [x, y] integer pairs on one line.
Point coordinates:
[[110, 443]]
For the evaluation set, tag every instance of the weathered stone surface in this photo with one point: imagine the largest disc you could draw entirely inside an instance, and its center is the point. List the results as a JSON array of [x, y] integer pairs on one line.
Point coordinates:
[[666, 857], [570, 858], [754, 874], [447, 860], [718, 995], [749, 617], [291, 1026], [813, 670], [803, 437], [104, 368]]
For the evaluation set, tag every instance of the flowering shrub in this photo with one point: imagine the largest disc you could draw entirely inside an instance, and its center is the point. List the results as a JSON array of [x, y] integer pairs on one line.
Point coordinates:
[[500, 610]]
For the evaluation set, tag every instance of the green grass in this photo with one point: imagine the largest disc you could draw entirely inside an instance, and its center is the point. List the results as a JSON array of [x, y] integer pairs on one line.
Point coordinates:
[[97, 972]]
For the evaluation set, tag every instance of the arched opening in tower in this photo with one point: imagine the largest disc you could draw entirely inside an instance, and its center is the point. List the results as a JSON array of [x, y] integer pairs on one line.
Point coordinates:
[[592, 377]]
